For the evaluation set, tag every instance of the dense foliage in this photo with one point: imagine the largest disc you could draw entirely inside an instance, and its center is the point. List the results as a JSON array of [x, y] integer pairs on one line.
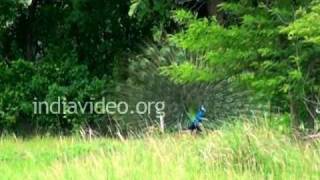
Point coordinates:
[[25, 82], [75, 48], [79, 49], [269, 47]]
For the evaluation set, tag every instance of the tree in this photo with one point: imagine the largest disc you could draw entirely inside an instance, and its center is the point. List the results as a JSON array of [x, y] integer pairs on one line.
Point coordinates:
[[100, 32], [251, 46], [71, 48]]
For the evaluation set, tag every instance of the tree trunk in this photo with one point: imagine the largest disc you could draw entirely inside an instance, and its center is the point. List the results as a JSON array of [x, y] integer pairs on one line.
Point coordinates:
[[212, 7], [302, 112], [30, 43], [311, 111], [294, 111]]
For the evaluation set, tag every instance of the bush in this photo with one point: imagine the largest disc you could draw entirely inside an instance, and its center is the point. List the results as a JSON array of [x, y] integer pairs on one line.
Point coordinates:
[[23, 82]]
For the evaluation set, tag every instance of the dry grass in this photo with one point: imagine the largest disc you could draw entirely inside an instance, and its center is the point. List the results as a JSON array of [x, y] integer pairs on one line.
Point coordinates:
[[236, 151]]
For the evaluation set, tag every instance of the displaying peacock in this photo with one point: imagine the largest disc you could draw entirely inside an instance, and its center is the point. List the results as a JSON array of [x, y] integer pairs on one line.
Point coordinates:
[[223, 100]]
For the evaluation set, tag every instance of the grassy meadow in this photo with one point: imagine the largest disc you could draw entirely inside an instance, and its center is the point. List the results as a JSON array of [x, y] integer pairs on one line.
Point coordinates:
[[242, 150]]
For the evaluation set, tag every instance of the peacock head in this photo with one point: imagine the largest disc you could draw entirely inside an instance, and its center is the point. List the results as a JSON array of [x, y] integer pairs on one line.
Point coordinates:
[[202, 108]]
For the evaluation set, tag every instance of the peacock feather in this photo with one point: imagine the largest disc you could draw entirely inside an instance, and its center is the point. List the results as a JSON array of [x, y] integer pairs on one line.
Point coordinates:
[[223, 100]]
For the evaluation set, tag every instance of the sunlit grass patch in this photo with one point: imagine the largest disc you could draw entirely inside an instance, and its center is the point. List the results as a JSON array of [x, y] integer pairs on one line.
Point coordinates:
[[241, 150]]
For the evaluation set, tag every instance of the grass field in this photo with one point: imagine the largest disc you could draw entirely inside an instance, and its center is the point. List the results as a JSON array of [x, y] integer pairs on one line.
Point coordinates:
[[235, 151]]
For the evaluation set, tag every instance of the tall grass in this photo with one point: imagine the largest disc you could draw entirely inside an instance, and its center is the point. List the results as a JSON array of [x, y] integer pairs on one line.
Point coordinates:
[[241, 150]]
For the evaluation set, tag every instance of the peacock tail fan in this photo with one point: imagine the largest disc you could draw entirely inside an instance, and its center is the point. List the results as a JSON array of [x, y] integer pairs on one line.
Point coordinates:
[[223, 99]]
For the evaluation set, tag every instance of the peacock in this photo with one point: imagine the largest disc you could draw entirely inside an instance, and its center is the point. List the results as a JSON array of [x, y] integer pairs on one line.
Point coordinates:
[[223, 100]]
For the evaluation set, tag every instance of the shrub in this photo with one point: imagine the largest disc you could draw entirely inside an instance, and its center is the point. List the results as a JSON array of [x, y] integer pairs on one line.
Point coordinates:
[[23, 82]]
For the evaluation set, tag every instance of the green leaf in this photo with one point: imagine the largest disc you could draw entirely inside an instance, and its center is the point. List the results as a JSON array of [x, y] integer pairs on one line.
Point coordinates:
[[133, 7]]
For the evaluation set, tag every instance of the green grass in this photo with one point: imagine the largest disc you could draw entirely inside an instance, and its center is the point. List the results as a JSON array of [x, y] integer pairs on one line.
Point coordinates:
[[235, 151]]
